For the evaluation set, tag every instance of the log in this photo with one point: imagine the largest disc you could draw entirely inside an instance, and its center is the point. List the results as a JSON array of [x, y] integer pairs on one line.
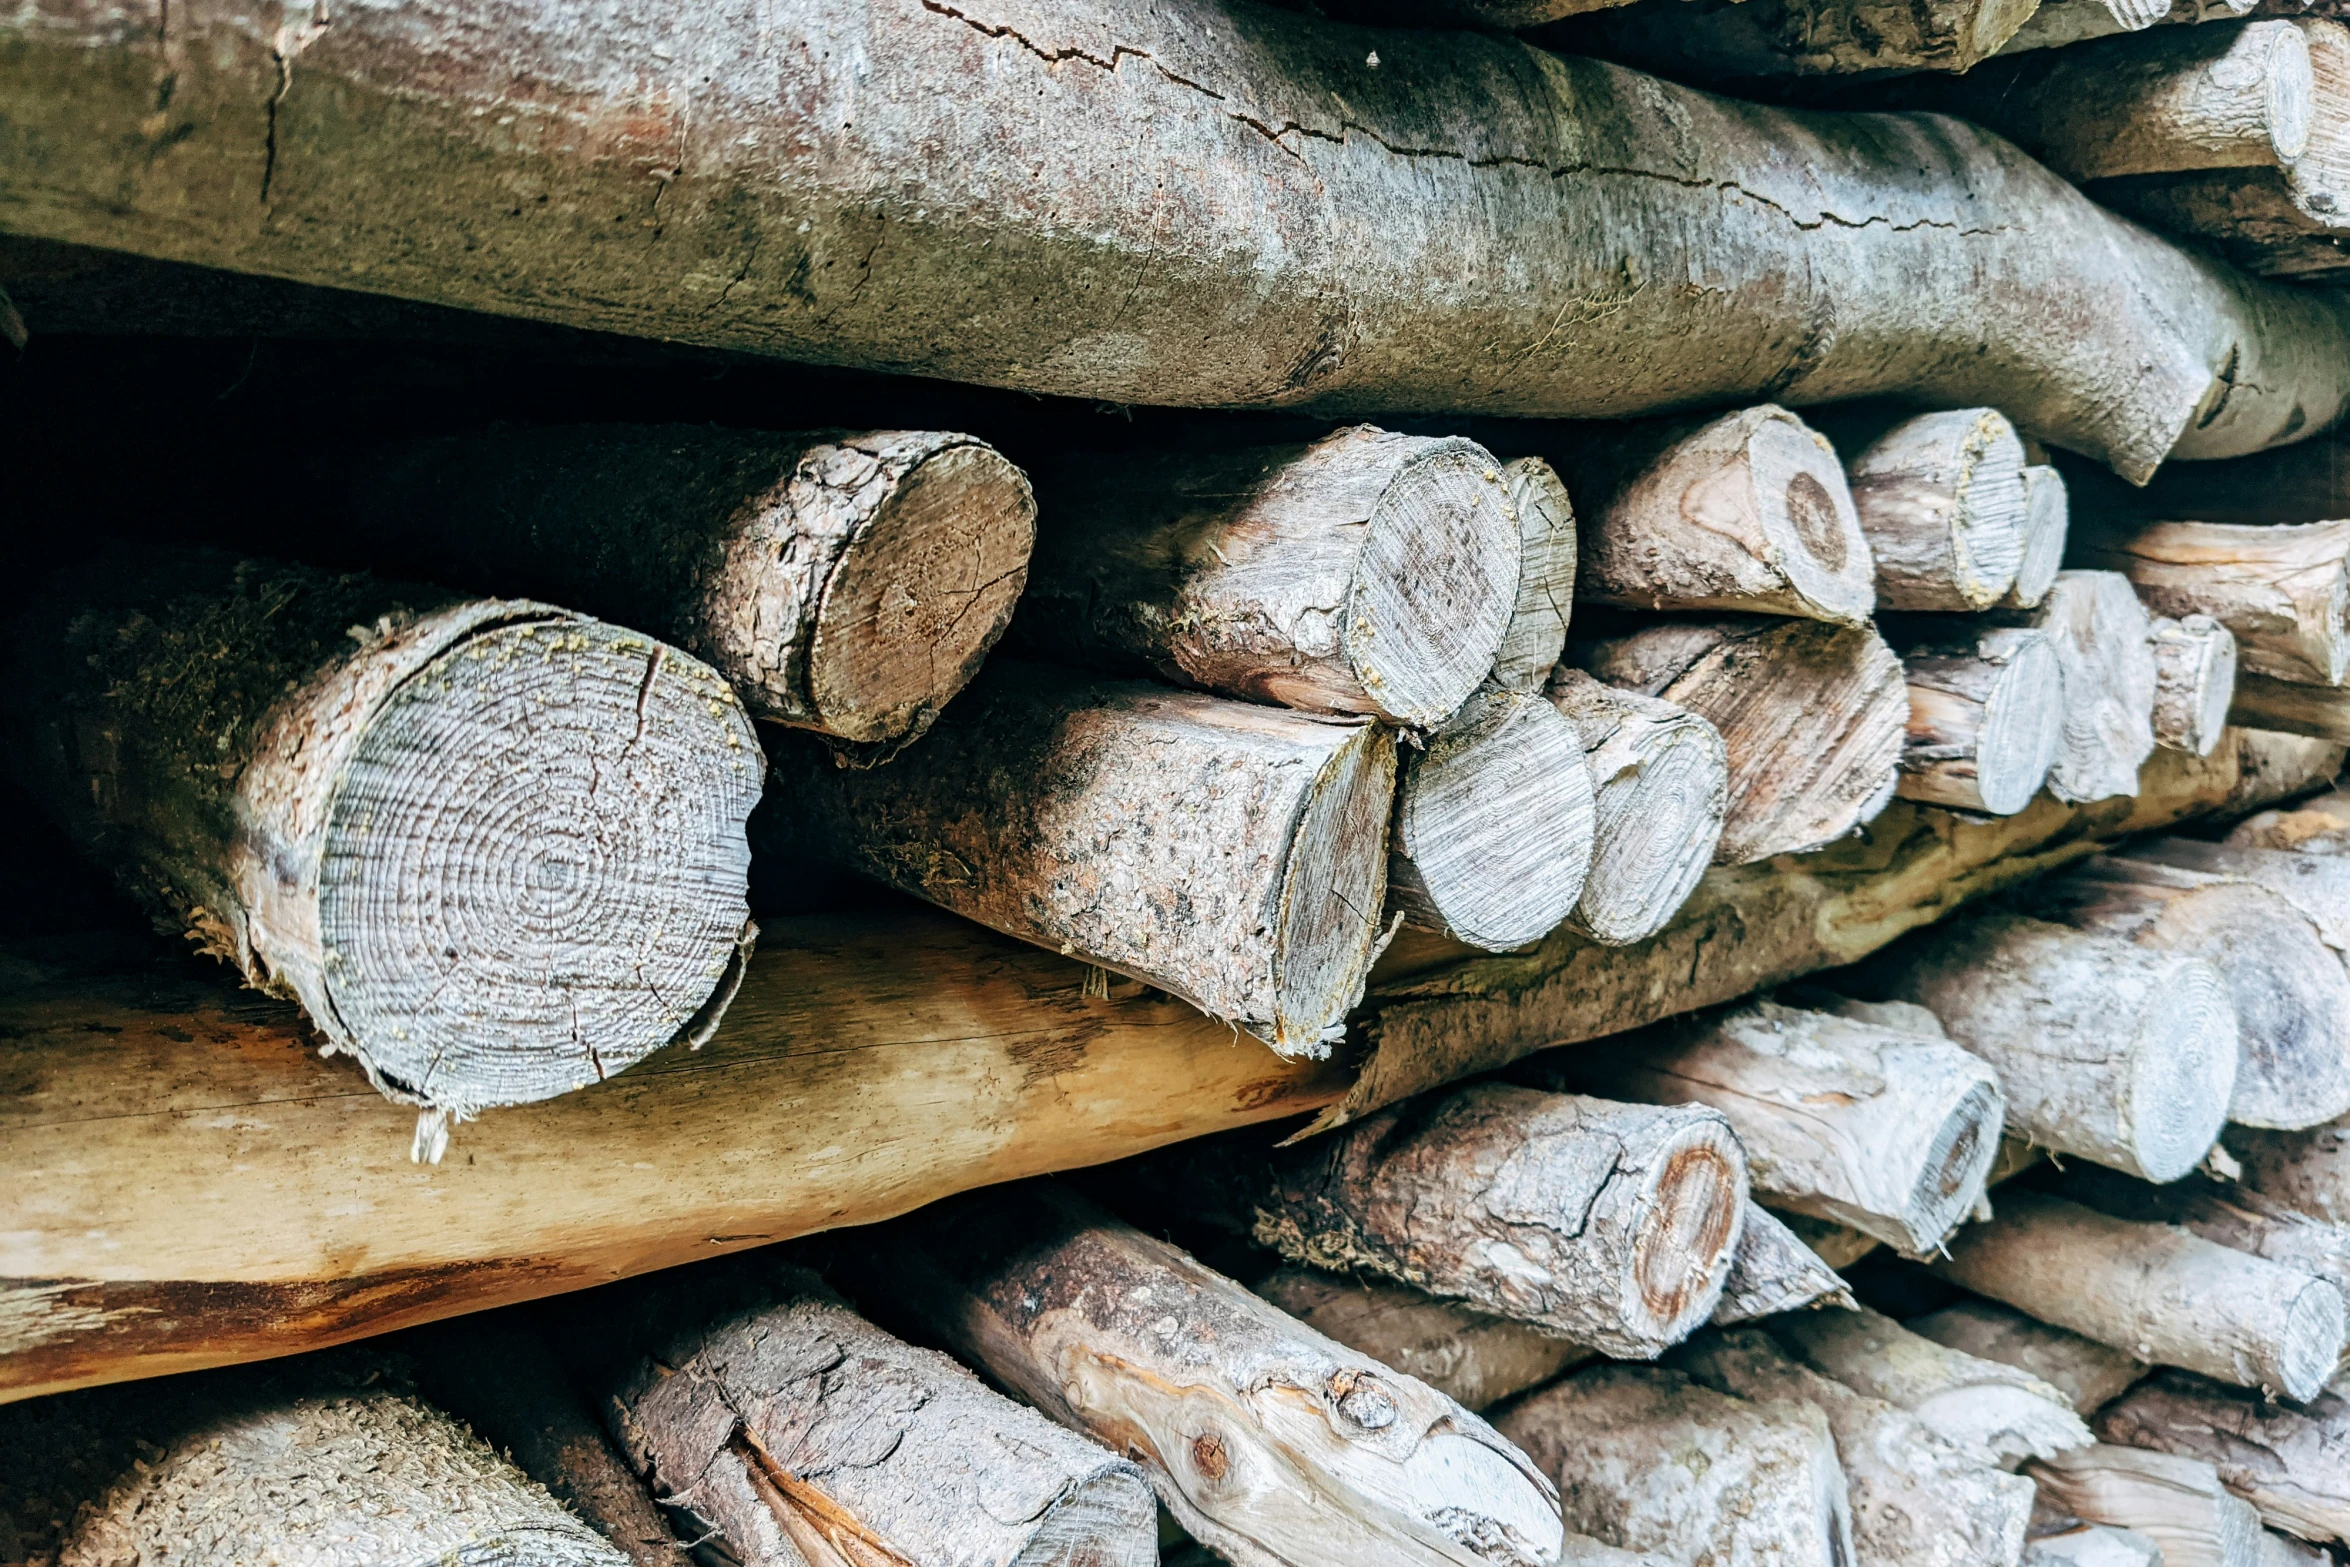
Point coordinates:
[[1941, 499], [1916, 1500], [2177, 1503], [1784, 38], [2308, 482], [2284, 591], [1986, 715], [496, 849], [1774, 1271], [2111, 1051], [1811, 719], [1270, 1444], [2290, 1464], [1648, 1460], [2315, 884], [1660, 783], [2090, 1375], [1368, 573], [846, 583], [1469, 1356], [2156, 1291], [1748, 512], [774, 1415], [2306, 1172], [2318, 825], [1609, 1224], [2194, 682], [2229, 1214], [2059, 23], [2290, 992], [1547, 558], [2321, 712], [2104, 649], [1232, 855], [1493, 824], [1346, 281], [2071, 1543], [2047, 523], [1889, 1133]]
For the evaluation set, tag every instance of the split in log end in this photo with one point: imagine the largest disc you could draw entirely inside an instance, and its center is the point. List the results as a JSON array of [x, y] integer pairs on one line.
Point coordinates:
[[1328, 938]]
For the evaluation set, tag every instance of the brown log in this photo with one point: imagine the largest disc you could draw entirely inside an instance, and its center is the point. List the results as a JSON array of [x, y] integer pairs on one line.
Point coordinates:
[[1811, 718], [1547, 559], [1467, 1355], [2090, 1375], [2319, 824], [2047, 524], [1941, 498], [494, 848], [1774, 1271], [2176, 1503], [846, 583], [2283, 591], [2194, 682], [1230, 854], [2103, 642], [1986, 715], [1268, 1442], [2291, 1464], [1367, 573], [2306, 1172], [2287, 707]]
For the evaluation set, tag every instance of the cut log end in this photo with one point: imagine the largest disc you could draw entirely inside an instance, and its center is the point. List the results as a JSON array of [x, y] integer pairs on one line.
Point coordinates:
[[2047, 523], [1984, 723], [2182, 1073], [1695, 1197], [2194, 682], [1434, 585], [1660, 791], [1328, 928], [1546, 576], [1941, 497], [2310, 1347], [1807, 518]]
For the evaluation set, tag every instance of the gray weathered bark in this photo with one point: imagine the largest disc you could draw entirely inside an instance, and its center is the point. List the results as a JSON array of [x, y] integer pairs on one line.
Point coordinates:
[[2059, 23], [2194, 682], [1808, 37], [2177, 1503], [2105, 652], [2283, 591], [2090, 1375], [1547, 559], [1465, 1354], [1773, 1271], [2047, 523], [1986, 715], [2231, 1215], [1941, 499], [2293, 1465]]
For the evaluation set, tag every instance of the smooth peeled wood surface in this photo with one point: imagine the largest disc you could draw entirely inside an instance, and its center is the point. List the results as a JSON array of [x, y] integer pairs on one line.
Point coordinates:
[[2293, 1465], [2284, 591], [2194, 682], [849, 583], [1986, 716], [2090, 1375], [1465, 1354], [2178, 1504], [2047, 524], [1493, 824], [496, 849], [1941, 500], [1547, 552], [2155, 1291], [1230, 854], [1369, 572], [1773, 1271], [2101, 633], [1271, 1444]]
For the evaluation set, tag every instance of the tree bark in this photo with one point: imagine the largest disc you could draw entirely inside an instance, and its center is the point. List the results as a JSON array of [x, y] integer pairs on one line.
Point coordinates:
[[2104, 1049], [2317, 885], [1493, 824], [2194, 682], [2047, 522], [2292, 1465], [2104, 649], [2059, 23], [1747, 512], [2177, 1503], [1469, 1356], [1271, 1445], [2283, 591], [2156, 1291], [2318, 825], [1609, 1224], [494, 848], [1419, 235], [1660, 782], [2090, 1375], [1367, 573], [1916, 1500], [1648, 1460], [1782, 38], [1986, 715], [846, 583], [1811, 719], [1547, 558], [1941, 499], [2307, 1172], [1773, 1271], [2230, 1215], [1887, 1132], [1229, 854]]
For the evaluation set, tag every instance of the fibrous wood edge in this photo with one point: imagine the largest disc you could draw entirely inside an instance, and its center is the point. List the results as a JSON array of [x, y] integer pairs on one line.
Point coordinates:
[[2293, 1465], [1547, 560], [1467, 1355], [2194, 682], [2283, 590], [2177, 1503], [2047, 525], [1941, 499], [1774, 1271], [1986, 716], [2102, 637], [2088, 1374]]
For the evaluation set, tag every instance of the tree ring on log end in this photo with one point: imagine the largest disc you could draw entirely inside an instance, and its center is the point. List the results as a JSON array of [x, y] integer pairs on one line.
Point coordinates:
[[1690, 1217], [1332, 892], [1987, 526], [2021, 727], [2311, 1342], [1434, 585], [2182, 1070], [1806, 513], [2289, 93], [1112, 1505], [920, 595], [1655, 834], [1955, 1166], [534, 869]]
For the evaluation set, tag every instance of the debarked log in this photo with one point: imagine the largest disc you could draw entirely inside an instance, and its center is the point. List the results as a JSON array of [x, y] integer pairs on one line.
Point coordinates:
[[2194, 682], [1986, 716], [2177, 1503], [2104, 647], [1548, 554], [2293, 1465], [1465, 1354], [2283, 590], [2231, 1215]]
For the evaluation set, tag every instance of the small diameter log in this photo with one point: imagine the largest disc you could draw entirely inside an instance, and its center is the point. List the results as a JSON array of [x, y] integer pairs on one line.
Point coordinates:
[[496, 849], [1230, 854], [2292, 1465], [1493, 823], [2156, 1291], [1648, 1460], [1367, 573], [770, 1412], [2283, 590], [1986, 715], [1811, 718], [1660, 783], [1547, 549], [2047, 524], [1747, 512], [1471, 1357], [1890, 1133], [845, 583], [1609, 1224], [1941, 499], [1993, 1413], [1916, 1500], [2177, 1503], [2229, 1214], [2090, 1375], [1774, 1271], [2072, 1543], [2194, 682], [2318, 825], [2103, 641], [1271, 1444], [2104, 1049]]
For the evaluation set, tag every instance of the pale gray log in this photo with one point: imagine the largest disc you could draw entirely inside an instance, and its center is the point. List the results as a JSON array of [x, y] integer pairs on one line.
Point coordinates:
[[2058, 23], [1465, 1354], [2316, 884], [2230, 1214], [2317, 825], [1773, 1271], [1986, 716], [1941, 499], [1547, 551], [2047, 523], [2177, 1503], [2293, 1465], [2284, 590], [2104, 649], [2077, 1544], [2194, 682]]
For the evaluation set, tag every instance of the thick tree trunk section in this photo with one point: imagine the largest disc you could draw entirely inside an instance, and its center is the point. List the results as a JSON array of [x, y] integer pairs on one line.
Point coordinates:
[[1609, 1224], [2319, 825], [1916, 1501], [2156, 1291], [1230, 854], [1493, 823], [494, 848], [2047, 523], [2177, 1503], [2293, 1465], [1747, 512], [2104, 648], [2194, 682], [1367, 573], [1941, 498], [1889, 1133], [1648, 1460], [2104, 1049], [2090, 1375], [1811, 718], [845, 583], [1547, 558], [1773, 1271], [1420, 234], [1271, 1445], [1660, 784], [1986, 715], [1467, 1355], [2283, 591]]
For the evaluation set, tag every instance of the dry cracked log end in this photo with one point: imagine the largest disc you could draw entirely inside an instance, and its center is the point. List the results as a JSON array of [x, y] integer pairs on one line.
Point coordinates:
[[1941, 500], [2194, 682], [1986, 716]]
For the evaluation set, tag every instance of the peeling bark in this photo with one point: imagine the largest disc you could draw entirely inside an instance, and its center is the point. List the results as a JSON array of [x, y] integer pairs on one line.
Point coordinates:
[[2293, 1465]]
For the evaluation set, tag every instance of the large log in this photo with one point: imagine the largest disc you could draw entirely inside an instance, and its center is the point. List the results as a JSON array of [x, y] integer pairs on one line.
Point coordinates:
[[2102, 637], [2090, 1375], [1272, 1445], [1986, 715], [1467, 1355], [1548, 554], [2291, 1464], [1941, 498], [494, 848], [2154, 1290], [1811, 718], [1230, 854], [1469, 225], [1366, 573], [2177, 1503], [845, 583], [2317, 885], [206, 1190], [2284, 591], [2194, 682]]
